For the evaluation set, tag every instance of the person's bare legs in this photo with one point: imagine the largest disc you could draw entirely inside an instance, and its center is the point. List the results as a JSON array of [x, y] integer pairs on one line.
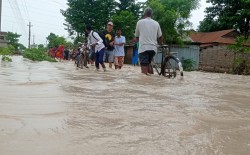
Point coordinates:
[[103, 66], [150, 69], [144, 69], [110, 65]]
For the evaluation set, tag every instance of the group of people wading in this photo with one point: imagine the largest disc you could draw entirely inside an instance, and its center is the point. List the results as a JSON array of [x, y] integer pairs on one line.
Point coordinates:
[[108, 46]]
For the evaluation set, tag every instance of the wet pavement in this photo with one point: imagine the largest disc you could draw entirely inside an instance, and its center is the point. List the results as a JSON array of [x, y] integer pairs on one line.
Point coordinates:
[[56, 109]]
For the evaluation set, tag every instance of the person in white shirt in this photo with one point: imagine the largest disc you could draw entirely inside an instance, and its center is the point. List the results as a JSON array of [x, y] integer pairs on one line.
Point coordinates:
[[96, 43], [119, 49], [148, 31]]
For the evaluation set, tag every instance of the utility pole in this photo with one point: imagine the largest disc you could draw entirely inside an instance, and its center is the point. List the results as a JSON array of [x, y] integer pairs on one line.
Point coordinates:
[[29, 32], [0, 15]]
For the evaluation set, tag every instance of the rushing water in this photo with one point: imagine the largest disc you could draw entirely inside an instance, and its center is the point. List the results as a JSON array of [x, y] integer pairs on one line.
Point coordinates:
[[56, 109]]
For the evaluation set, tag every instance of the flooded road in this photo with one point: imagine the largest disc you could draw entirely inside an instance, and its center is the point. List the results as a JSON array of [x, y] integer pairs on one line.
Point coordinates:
[[55, 109]]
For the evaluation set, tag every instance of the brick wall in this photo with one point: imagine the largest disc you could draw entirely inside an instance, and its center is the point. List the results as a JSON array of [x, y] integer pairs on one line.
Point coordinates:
[[217, 59]]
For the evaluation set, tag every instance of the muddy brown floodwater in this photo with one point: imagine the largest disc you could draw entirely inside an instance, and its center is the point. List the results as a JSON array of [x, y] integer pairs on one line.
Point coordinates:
[[55, 109]]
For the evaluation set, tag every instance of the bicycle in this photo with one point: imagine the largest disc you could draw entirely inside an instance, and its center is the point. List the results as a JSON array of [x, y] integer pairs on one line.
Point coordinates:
[[168, 65]]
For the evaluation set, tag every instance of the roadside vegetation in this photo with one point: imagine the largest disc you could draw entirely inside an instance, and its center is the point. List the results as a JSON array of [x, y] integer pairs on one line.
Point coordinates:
[[6, 52], [241, 50], [37, 54], [188, 64]]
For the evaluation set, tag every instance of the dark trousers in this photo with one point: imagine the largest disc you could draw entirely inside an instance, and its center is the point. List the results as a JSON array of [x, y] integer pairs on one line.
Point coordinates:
[[99, 58], [146, 57]]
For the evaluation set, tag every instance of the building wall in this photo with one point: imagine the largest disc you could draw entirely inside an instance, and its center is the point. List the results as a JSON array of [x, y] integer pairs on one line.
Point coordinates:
[[3, 44], [217, 59]]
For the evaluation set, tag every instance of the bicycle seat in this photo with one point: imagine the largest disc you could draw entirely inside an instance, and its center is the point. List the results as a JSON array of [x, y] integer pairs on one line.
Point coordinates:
[[164, 46]]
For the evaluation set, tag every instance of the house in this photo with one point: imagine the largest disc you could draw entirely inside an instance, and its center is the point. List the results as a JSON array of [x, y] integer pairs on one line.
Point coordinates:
[[3, 41], [206, 39], [214, 53]]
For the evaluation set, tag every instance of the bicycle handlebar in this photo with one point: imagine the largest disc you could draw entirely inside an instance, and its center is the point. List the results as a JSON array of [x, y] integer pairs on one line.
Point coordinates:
[[158, 46], [163, 46]]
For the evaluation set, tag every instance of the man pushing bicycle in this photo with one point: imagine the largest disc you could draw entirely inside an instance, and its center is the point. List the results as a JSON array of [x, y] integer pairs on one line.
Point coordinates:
[[148, 31]]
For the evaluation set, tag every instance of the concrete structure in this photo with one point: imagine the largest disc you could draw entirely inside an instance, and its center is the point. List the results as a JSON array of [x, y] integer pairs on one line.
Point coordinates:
[[3, 41], [214, 53]]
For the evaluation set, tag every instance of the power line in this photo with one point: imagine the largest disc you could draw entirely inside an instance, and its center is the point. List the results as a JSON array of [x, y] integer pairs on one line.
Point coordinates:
[[36, 21], [37, 8], [25, 8], [58, 3], [45, 13], [17, 16], [43, 27]]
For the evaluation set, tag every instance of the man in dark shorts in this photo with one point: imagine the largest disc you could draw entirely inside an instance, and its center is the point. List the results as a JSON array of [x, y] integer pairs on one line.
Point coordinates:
[[109, 43], [148, 31]]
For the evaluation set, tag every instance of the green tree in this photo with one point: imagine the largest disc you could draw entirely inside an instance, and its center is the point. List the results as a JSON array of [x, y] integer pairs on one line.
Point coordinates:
[[78, 40], [125, 4], [209, 25], [21, 47], [41, 46], [13, 39], [227, 14], [55, 41], [83, 12], [126, 21], [173, 16], [131, 5], [69, 45]]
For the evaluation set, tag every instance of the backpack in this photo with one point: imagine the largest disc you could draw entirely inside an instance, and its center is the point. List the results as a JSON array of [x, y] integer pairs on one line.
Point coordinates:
[[102, 36]]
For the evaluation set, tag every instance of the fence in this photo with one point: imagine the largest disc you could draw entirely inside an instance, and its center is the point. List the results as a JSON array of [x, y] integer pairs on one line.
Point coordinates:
[[183, 52]]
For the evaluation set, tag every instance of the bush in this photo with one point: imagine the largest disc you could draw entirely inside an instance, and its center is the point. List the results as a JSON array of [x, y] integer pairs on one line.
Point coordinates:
[[37, 55], [240, 64], [188, 64], [6, 58], [9, 50], [6, 51]]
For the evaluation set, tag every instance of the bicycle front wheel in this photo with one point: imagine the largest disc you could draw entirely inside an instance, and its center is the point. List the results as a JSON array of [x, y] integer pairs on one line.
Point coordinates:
[[172, 67]]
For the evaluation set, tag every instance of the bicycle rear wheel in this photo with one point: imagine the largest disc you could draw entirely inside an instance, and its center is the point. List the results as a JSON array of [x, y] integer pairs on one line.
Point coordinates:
[[172, 67]]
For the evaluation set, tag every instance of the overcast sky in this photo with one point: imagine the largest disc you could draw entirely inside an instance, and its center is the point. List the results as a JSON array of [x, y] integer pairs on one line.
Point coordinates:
[[45, 17]]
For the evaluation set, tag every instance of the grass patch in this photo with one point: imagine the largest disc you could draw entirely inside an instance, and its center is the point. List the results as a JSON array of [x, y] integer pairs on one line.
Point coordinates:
[[37, 55]]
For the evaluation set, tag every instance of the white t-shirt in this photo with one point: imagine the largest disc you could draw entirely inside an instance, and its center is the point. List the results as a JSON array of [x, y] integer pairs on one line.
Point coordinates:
[[148, 31], [95, 38], [119, 50]]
